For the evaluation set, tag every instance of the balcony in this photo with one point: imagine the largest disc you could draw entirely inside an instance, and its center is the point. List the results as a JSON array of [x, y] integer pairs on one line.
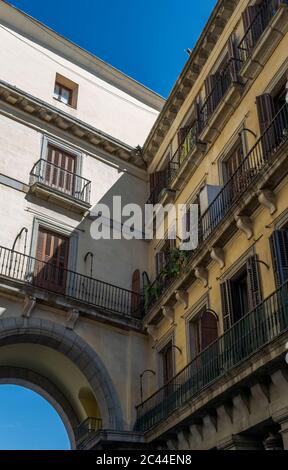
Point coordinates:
[[54, 183], [180, 167], [112, 302], [262, 37], [255, 330], [220, 102], [86, 430], [256, 163]]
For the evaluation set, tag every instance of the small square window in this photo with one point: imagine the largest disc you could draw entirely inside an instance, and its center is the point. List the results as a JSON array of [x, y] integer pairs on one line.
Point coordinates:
[[65, 91]]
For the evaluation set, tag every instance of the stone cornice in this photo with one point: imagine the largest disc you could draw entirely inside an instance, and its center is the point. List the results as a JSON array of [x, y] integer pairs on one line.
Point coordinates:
[[198, 57], [49, 114]]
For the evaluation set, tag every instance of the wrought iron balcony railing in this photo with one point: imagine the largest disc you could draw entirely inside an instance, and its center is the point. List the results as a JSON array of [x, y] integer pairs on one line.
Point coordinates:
[[178, 160], [251, 168], [256, 329], [85, 429], [267, 11], [55, 278], [61, 180], [222, 84]]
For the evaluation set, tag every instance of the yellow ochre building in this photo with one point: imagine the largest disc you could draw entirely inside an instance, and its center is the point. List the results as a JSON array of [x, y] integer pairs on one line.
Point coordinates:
[[138, 344]]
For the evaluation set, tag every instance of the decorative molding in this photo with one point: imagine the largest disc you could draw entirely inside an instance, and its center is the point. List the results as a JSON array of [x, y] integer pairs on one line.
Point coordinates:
[[72, 318], [217, 254], [244, 223], [169, 313], [152, 331], [267, 198], [182, 297], [201, 273], [242, 402], [29, 305], [190, 73], [48, 113]]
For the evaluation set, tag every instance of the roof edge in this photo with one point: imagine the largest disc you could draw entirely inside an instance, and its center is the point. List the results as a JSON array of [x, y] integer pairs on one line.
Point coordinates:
[[86, 59]]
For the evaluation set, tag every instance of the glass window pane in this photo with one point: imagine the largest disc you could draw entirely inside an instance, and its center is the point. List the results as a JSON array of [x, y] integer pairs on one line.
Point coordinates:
[[65, 95], [57, 91]]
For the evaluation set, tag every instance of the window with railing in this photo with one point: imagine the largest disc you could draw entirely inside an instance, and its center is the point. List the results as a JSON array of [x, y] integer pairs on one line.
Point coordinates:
[[58, 172], [216, 86], [253, 331], [256, 161], [256, 19], [52, 275]]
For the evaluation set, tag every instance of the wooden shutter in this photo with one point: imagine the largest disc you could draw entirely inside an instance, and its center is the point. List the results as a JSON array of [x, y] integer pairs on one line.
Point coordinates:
[[266, 113], [248, 16], [197, 115], [167, 363], [252, 28], [135, 300], [232, 57], [253, 282], [160, 261], [266, 110], [227, 304], [60, 170], [209, 329], [279, 253], [211, 93], [182, 132], [52, 258]]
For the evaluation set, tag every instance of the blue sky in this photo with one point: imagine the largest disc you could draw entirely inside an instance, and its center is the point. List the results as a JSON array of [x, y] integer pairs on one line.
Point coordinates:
[[145, 39], [27, 421]]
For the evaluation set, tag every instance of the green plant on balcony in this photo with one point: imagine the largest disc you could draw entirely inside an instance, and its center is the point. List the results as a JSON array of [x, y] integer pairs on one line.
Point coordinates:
[[177, 260], [151, 293]]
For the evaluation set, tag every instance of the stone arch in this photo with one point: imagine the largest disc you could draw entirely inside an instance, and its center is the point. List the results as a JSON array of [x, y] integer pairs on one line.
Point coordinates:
[[32, 330], [44, 387]]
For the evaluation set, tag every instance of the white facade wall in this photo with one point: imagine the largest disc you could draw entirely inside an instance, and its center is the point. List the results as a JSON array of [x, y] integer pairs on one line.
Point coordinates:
[[29, 64], [30, 57]]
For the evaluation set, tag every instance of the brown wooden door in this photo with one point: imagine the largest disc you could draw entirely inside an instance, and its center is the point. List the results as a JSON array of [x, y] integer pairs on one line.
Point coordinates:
[[60, 170], [209, 329], [167, 363], [135, 300], [52, 258]]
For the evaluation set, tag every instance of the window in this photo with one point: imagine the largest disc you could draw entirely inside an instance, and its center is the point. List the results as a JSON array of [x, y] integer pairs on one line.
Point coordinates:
[[203, 331], [167, 362], [273, 118], [233, 160], [63, 94], [162, 256], [279, 252], [60, 170], [187, 218], [65, 91], [52, 259], [241, 293], [231, 165]]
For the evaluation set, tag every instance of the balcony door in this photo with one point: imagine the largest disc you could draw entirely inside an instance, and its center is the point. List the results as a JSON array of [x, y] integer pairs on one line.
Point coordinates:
[[52, 258], [167, 363], [59, 172], [236, 174]]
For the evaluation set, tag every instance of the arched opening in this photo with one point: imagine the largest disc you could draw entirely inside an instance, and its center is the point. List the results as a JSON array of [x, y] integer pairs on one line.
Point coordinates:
[[57, 364], [29, 422]]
